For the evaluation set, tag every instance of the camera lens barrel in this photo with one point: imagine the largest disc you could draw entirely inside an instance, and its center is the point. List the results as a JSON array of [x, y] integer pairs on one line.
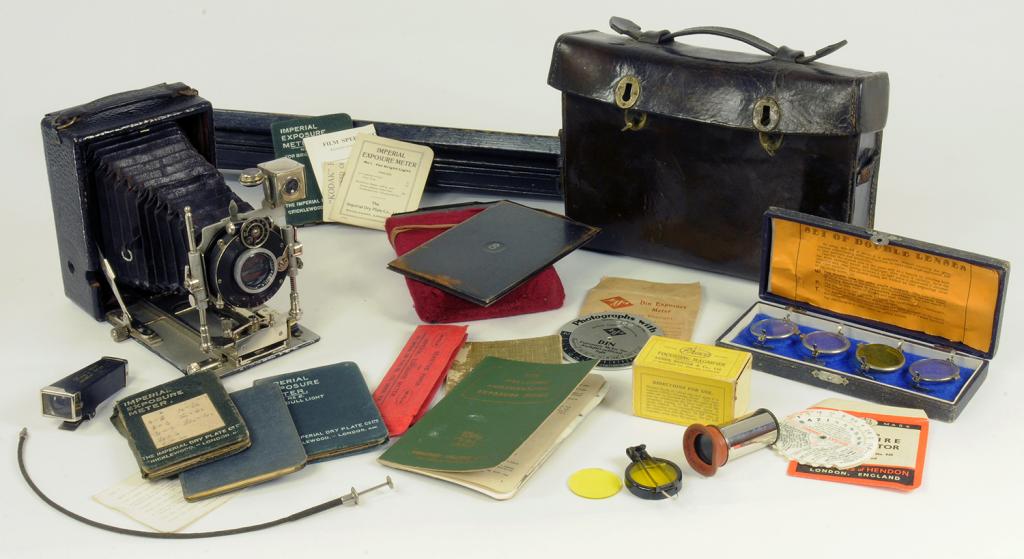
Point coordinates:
[[247, 276], [255, 269]]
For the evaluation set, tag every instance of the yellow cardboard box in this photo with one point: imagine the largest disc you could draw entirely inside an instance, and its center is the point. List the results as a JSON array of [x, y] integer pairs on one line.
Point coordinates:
[[685, 382]]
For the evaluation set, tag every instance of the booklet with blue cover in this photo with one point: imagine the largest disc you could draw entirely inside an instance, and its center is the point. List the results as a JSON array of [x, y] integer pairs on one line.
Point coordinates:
[[275, 451], [333, 410]]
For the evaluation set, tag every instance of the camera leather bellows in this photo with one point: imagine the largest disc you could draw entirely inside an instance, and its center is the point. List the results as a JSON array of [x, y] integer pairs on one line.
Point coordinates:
[[143, 183], [676, 151]]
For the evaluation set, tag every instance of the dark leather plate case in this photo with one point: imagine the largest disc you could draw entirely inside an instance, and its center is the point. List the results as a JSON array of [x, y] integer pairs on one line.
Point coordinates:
[[491, 253]]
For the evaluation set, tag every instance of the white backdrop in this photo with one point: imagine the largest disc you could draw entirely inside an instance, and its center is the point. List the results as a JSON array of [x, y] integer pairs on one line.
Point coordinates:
[[950, 175]]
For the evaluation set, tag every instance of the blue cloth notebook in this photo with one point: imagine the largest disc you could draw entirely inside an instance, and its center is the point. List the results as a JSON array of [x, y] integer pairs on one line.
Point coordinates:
[[276, 449], [332, 409]]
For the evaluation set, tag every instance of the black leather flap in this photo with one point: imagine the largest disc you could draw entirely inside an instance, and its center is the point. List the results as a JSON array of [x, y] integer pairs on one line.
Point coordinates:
[[135, 109], [721, 87]]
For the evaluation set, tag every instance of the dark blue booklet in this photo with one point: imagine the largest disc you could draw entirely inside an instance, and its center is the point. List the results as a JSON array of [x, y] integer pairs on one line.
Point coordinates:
[[276, 449], [180, 424], [332, 409]]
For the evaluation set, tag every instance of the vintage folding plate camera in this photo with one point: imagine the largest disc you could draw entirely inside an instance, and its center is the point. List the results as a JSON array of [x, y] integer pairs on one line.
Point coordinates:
[[873, 315], [152, 239]]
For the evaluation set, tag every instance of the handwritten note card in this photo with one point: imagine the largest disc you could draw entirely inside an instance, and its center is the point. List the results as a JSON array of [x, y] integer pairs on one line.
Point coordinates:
[[182, 421]]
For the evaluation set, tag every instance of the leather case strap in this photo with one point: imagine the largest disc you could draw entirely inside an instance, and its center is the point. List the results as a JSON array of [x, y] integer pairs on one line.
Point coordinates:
[[632, 30]]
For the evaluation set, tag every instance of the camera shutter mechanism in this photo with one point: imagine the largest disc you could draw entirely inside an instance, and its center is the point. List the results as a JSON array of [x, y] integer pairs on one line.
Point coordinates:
[[766, 117]]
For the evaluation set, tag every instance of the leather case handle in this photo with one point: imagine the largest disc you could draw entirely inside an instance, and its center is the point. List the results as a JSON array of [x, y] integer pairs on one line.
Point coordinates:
[[632, 30]]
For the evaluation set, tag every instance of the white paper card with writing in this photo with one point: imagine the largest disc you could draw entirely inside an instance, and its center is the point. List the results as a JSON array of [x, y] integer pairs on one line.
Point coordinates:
[[329, 148], [382, 177], [159, 504]]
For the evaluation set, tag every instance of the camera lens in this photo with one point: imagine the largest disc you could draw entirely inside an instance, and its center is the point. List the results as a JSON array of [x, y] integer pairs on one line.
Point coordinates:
[[58, 406], [242, 273], [255, 270], [291, 186]]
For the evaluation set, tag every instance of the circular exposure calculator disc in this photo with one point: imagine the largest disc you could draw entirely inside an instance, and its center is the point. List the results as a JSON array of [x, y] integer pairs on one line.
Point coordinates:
[[826, 439], [614, 339]]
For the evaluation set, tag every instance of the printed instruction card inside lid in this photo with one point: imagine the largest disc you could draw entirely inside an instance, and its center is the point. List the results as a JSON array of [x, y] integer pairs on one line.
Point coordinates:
[[932, 293]]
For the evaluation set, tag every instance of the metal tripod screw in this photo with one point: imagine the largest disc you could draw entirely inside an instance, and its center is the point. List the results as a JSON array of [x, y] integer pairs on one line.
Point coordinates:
[[353, 495]]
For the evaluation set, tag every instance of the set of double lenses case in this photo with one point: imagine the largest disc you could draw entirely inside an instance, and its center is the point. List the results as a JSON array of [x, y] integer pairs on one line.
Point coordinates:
[[876, 316]]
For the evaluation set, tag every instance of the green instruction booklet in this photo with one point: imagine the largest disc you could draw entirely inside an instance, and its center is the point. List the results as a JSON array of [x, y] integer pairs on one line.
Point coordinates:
[[487, 416], [287, 136]]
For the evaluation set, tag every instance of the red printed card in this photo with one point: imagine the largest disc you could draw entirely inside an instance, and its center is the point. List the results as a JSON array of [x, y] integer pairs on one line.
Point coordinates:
[[411, 382]]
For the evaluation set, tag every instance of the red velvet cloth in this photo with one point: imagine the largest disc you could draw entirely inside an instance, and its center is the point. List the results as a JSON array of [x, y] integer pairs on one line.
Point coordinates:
[[542, 292]]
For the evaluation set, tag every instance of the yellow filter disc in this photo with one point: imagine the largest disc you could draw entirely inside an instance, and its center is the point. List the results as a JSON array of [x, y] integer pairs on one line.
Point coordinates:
[[594, 483], [652, 473]]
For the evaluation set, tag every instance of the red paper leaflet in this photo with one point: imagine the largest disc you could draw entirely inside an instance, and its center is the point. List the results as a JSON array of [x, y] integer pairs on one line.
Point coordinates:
[[418, 371]]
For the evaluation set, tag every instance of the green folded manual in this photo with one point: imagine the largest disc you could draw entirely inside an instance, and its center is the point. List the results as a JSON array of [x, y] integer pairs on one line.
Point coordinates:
[[498, 425]]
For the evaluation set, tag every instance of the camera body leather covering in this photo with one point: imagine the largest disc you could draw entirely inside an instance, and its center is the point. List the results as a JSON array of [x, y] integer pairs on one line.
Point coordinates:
[[66, 137]]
